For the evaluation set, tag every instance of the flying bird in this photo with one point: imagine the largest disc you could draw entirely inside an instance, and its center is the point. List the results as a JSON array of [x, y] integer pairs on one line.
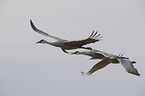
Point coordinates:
[[65, 44], [97, 54], [107, 59]]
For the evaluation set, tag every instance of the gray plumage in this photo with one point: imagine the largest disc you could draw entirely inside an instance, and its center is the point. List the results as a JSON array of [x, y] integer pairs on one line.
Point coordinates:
[[107, 59], [65, 44]]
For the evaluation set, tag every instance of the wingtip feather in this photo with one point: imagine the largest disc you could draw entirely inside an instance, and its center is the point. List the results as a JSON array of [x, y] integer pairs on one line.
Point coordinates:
[[85, 74]]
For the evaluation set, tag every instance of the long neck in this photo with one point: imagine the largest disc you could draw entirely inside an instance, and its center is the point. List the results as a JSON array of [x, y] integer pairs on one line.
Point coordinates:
[[82, 53], [51, 43]]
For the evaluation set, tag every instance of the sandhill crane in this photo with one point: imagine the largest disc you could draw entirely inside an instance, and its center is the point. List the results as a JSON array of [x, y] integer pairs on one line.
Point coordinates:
[[97, 54], [65, 44], [107, 59]]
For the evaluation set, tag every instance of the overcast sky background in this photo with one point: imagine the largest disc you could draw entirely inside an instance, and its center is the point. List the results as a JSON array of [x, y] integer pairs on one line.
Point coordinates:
[[27, 69]]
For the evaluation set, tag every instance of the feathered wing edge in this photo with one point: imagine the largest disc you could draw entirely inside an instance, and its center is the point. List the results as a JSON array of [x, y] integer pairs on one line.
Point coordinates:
[[43, 33], [129, 66], [97, 66], [91, 39]]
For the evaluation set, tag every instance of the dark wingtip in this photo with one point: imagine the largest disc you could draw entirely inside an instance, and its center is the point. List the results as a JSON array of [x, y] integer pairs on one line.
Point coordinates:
[[137, 74], [31, 21], [32, 25]]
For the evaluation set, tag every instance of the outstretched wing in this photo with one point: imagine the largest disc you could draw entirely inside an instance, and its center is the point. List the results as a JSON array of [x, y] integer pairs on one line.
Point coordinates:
[[43, 33], [92, 39], [129, 66], [98, 66]]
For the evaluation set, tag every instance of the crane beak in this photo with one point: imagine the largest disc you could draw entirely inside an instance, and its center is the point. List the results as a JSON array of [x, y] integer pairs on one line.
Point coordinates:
[[41, 41], [38, 42]]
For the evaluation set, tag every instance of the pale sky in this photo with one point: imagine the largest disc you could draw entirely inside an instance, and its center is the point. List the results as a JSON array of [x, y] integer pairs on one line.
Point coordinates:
[[27, 69]]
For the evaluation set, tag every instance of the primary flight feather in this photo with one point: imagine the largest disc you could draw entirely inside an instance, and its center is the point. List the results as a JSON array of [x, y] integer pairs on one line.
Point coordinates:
[[107, 59], [65, 44]]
